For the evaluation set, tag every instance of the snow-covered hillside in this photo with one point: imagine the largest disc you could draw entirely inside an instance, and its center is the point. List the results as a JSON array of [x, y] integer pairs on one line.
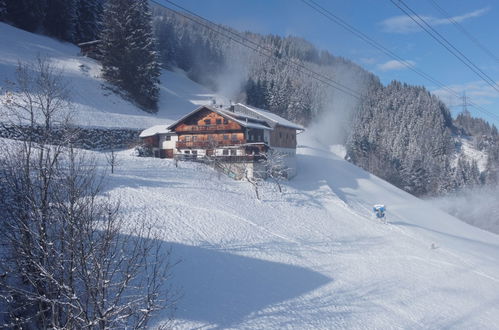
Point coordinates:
[[94, 104], [468, 150], [313, 257]]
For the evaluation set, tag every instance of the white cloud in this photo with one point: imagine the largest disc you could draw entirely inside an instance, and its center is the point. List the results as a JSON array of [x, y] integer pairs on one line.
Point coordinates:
[[478, 92], [404, 24], [395, 65]]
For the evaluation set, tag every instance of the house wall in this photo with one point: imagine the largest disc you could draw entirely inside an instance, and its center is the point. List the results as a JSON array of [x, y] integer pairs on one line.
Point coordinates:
[[238, 170], [152, 141], [165, 144], [283, 137]]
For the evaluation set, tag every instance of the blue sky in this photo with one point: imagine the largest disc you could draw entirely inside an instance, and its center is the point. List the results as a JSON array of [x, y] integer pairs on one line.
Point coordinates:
[[385, 23]]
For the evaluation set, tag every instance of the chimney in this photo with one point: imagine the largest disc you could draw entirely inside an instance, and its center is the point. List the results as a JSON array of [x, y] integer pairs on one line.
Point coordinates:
[[231, 108]]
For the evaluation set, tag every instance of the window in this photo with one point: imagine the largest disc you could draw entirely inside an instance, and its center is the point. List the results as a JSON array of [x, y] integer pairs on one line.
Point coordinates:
[[194, 138], [187, 138], [232, 152], [225, 152], [207, 121], [234, 137], [219, 121], [226, 121], [168, 138], [194, 152], [280, 135], [187, 152], [226, 137]]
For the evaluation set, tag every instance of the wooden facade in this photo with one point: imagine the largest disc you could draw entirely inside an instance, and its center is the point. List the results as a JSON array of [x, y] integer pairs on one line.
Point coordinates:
[[209, 130], [283, 137], [152, 141]]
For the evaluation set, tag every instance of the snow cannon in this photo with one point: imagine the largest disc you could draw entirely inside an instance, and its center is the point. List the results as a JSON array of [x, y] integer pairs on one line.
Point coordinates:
[[379, 210]]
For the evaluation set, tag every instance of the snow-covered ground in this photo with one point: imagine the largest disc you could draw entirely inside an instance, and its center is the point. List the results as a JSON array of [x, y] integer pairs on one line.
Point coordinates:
[[313, 257], [93, 103]]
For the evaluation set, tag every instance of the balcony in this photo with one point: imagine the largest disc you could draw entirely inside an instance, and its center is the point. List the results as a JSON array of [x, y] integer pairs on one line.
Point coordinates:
[[209, 128], [224, 159], [208, 144]]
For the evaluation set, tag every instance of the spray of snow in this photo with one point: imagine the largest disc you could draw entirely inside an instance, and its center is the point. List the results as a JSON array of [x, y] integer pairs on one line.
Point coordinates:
[[478, 207], [231, 80], [334, 123]]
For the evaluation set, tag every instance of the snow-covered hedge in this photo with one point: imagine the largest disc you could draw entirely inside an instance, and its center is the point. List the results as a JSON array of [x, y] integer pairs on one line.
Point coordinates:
[[86, 138]]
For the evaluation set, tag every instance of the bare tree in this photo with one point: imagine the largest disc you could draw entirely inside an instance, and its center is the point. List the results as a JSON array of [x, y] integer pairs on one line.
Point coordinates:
[[69, 259], [112, 159], [275, 167], [253, 180]]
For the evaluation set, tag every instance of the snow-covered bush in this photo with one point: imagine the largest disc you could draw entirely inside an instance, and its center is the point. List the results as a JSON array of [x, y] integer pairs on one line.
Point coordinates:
[[143, 150]]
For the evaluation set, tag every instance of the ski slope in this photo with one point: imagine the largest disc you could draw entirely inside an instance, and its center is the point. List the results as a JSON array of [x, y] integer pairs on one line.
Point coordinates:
[[313, 257]]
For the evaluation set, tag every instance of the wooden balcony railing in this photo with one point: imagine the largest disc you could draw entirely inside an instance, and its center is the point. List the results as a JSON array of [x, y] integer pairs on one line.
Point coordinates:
[[208, 144], [208, 128], [224, 158]]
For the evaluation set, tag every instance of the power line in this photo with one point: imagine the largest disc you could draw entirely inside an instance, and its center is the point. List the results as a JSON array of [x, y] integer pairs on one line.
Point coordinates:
[[345, 25], [243, 41], [421, 22], [464, 31]]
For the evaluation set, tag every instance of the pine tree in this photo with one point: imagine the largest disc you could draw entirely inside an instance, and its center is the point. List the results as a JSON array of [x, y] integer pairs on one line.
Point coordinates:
[[26, 14], [129, 59], [60, 19], [3, 9], [88, 20]]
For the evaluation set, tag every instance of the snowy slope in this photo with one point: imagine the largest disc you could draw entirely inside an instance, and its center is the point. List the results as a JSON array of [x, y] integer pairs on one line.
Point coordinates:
[[95, 105], [468, 150], [311, 258]]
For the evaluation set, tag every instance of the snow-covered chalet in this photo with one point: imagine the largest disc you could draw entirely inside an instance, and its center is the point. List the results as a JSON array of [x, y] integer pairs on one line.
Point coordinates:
[[238, 133]]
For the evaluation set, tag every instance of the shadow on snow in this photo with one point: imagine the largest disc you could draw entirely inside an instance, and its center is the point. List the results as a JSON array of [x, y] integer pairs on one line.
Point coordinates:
[[222, 288]]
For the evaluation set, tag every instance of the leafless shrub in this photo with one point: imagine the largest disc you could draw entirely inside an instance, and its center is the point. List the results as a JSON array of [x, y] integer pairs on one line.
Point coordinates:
[[66, 261]]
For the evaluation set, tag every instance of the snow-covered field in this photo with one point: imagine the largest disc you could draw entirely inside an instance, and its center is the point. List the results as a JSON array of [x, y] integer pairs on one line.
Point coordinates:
[[313, 257]]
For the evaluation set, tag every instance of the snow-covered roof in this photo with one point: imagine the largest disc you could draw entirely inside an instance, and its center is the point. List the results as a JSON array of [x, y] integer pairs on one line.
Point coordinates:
[[154, 130], [89, 43], [268, 116], [247, 121]]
